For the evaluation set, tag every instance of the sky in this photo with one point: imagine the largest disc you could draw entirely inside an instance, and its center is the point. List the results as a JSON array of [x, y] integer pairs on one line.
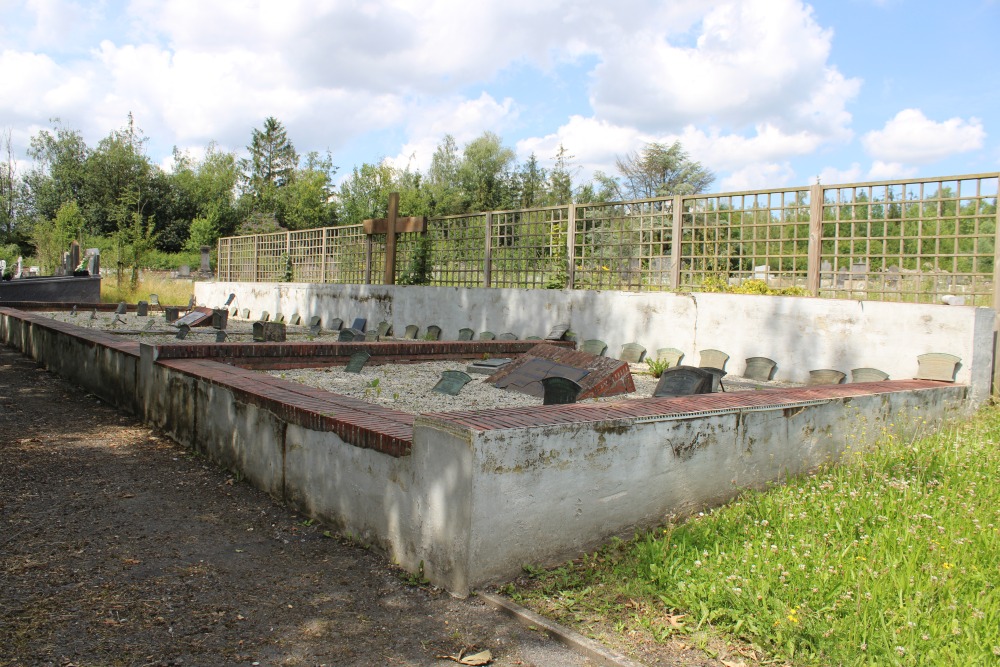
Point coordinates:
[[765, 93]]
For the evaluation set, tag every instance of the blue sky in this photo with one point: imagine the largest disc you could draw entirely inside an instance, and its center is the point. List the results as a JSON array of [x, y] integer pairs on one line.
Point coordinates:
[[766, 93]]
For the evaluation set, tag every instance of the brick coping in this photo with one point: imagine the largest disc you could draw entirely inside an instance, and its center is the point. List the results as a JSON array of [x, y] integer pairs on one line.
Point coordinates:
[[391, 431]]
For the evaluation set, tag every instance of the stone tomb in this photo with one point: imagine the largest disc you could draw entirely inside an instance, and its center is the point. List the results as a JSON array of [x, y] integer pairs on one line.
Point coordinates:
[[597, 376], [200, 316]]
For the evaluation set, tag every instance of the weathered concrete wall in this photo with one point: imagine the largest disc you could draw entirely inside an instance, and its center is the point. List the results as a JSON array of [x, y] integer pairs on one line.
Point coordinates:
[[800, 333], [52, 289]]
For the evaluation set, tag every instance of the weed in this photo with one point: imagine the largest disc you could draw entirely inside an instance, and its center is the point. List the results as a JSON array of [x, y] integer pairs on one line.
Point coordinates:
[[657, 366]]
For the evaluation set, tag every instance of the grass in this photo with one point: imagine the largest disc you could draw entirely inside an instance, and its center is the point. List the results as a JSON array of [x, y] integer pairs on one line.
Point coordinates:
[[892, 557], [171, 291]]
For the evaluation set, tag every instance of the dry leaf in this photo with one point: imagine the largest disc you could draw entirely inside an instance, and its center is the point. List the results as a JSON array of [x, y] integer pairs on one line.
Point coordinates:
[[729, 663], [481, 658], [675, 620]]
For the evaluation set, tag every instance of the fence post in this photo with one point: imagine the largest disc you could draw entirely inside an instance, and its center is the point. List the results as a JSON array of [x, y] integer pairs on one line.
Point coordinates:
[[995, 389], [322, 259], [288, 262], [256, 258], [815, 239], [368, 258], [488, 251], [675, 241], [571, 247]]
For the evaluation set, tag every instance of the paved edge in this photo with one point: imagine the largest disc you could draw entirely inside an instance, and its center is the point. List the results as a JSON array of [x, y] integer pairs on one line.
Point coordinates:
[[574, 640]]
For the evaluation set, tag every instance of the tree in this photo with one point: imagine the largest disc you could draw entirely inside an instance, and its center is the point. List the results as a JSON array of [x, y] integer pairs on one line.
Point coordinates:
[[271, 165], [9, 190], [53, 238], [484, 174], [560, 179], [304, 203], [442, 179], [531, 184], [365, 193], [59, 172], [661, 171]]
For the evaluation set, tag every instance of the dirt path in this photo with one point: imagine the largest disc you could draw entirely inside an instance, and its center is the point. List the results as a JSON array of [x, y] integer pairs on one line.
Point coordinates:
[[118, 547]]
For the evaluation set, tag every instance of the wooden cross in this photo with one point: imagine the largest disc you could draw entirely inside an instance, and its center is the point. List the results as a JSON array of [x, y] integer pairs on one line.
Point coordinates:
[[390, 227]]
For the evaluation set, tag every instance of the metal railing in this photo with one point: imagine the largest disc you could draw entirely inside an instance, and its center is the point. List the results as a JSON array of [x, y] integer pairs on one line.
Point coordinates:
[[899, 240]]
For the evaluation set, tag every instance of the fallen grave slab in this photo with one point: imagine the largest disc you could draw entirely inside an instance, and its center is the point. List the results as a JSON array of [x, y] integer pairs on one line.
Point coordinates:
[[597, 376]]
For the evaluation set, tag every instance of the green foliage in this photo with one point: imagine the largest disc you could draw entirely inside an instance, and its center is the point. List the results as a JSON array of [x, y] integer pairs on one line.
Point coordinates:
[[271, 165], [718, 283], [53, 237], [657, 366], [420, 268], [659, 171], [158, 260], [890, 558]]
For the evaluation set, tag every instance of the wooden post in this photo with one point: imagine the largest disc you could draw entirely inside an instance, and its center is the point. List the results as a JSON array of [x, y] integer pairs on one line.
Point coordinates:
[[996, 307], [390, 240], [488, 251], [390, 226], [815, 239], [571, 247], [322, 258], [676, 235]]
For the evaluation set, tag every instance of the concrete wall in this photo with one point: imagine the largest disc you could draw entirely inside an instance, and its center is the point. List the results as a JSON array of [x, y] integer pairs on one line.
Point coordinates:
[[800, 333]]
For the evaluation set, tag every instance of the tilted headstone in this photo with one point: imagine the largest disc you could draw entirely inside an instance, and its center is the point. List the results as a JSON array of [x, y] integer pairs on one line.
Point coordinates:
[[411, 331], [265, 316], [315, 325], [632, 353], [268, 332], [371, 336], [759, 369], [507, 336], [142, 309], [594, 347], [357, 362], [172, 314], [671, 355], [451, 382], [182, 331], [118, 320], [466, 334], [383, 329], [349, 335], [192, 302], [230, 299], [234, 312], [359, 323], [683, 381], [122, 309], [825, 376], [487, 335], [93, 314], [220, 336], [335, 324], [560, 391], [278, 317], [295, 319], [557, 332], [868, 375], [433, 333], [937, 366], [154, 299], [245, 314], [717, 375], [220, 318], [72, 311], [486, 366]]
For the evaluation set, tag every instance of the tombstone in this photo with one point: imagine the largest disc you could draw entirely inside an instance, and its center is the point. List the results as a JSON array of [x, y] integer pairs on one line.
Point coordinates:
[[315, 325], [527, 374], [410, 333], [230, 299], [122, 309], [825, 273], [487, 335], [868, 375], [93, 314], [245, 314], [265, 316], [671, 355], [117, 320], [384, 328], [195, 317], [349, 335], [841, 277], [268, 332], [713, 359], [684, 381], [74, 259], [359, 323], [937, 366], [192, 302], [295, 319], [559, 391], [142, 309], [220, 318], [172, 313], [72, 311], [717, 375], [892, 276], [357, 361], [278, 317], [632, 353], [433, 333], [825, 376], [487, 366], [182, 332], [557, 332], [205, 269], [507, 336], [760, 369], [594, 347], [3, 267], [154, 299], [451, 382], [234, 312], [371, 336], [93, 256], [466, 334], [335, 324], [220, 336], [762, 272]]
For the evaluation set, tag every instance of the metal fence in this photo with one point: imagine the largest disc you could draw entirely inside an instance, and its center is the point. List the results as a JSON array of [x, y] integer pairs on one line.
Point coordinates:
[[901, 240]]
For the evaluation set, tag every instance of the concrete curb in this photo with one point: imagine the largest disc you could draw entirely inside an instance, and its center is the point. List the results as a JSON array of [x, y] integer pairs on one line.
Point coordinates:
[[574, 640]]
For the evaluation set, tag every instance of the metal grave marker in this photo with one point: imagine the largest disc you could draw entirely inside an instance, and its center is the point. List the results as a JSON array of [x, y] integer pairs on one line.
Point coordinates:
[[142, 308], [559, 391], [451, 382], [232, 297], [348, 335], [683, 381], [182, 331], [357, 362], [359, 323], [220, 318], [557, 332], [268, 332], [172, 313], [487, 366], [122, 309], [383, 329], [295, 319], [466, 334], [220, 336]]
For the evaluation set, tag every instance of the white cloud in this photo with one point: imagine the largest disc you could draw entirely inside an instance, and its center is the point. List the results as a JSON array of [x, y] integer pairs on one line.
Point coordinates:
[[883, 171], [910, 137], [834, 176], [757, 175]]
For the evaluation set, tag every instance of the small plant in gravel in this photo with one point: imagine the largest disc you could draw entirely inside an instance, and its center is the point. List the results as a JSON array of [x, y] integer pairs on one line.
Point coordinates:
[[657, 366]]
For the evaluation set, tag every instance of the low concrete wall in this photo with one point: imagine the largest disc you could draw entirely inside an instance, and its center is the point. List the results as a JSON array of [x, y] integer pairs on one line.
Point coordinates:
[[479, 494], [52, 289], [800, 333]]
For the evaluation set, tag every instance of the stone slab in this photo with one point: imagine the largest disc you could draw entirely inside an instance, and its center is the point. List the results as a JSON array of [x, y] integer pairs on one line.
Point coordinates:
[[603, 377]]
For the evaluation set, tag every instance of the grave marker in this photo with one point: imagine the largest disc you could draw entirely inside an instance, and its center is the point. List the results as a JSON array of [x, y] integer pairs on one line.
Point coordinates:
[[937, 366], [559, 391], [122, 309], [246, 314], [348, 335], [594, 347], [196, 317], [315, 325], [182, 331], [192, 302], [601, 376], [451, 382], [265, 316], [172, 313], [278, 317], [335, 324], [411, 332], [487, 335], [825, 376], [671, 355], [371, 336], [295, 319], [234, 312], [93, 314], [760, 369], [72, 312], [868, 375], [632, 353], [558, 332], [357, 362], [507, 336], [264, 332], [713, 359], [220, 336], [220, 318], [383, 329], [142, 309], [466, 334], [154, 299], [230, 299], [359, 323], [486, 366], [433, 333], [684, 381]]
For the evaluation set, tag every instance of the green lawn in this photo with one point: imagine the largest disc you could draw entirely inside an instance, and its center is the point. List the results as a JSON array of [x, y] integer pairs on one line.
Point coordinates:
[[892, 557]]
